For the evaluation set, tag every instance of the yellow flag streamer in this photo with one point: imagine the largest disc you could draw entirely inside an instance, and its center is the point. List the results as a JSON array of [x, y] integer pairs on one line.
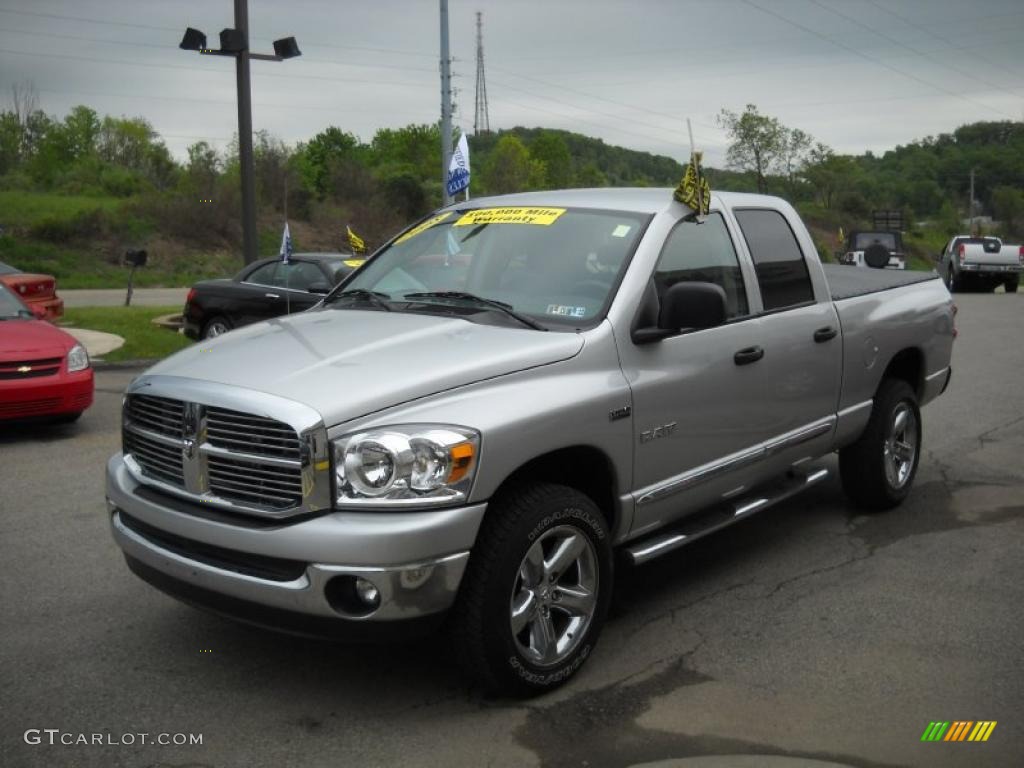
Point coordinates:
[[355, 242], [694, 191]]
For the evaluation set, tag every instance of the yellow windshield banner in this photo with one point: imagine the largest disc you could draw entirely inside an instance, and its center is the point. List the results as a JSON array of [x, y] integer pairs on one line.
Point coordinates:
[[354, 262], [542, 216], [432, 221]]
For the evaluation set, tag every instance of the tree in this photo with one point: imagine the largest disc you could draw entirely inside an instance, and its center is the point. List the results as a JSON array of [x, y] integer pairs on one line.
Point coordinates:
[[414, 149], [550, 149], [508, 168], [81, 131], [757, 142], [1008, 206], [329, 149], [797, 148], [828, 174]]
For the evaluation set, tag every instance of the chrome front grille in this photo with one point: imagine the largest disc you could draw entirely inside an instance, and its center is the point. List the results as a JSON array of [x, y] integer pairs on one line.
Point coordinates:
[[158, 414], [223, 456], [240, 431], [157, 459], [250, 481]]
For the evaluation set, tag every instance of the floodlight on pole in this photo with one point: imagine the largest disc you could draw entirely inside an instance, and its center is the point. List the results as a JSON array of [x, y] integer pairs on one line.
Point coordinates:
[[194, 40], [235, 42]]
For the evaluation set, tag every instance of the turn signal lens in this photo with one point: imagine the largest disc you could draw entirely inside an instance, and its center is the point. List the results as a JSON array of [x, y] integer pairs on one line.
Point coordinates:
[[462, 460]]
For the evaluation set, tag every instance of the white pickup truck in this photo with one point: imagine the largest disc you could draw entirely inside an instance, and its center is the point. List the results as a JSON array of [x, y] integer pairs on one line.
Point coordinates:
[[982, 263], [506, 395]]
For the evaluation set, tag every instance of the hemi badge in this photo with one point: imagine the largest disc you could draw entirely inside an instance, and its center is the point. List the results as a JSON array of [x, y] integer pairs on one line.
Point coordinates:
[[25, 369], [620, 413]]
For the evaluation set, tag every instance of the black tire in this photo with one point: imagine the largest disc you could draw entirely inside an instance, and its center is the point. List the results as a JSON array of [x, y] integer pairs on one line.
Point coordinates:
[[953, 282], [215, 326], [1011, 285], [525, 520], [868, 467]]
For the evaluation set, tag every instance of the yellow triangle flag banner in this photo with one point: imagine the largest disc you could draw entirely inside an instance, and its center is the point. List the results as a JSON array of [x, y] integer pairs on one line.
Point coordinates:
[[694, 191], [355, 242]]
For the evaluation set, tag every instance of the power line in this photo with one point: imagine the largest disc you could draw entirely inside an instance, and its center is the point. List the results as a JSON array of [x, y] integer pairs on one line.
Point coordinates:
[[900, 43], [942, 39], [871, 59], [177, 31], [131, 64], [105, 22]]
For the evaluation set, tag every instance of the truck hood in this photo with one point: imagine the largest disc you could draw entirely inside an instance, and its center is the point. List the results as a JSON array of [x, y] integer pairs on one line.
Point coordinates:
[[349, 363]]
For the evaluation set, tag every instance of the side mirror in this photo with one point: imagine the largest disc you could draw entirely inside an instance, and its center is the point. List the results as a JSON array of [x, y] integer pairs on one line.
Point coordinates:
[[38, 311], [690, 306], [876, 255], [319, 287]]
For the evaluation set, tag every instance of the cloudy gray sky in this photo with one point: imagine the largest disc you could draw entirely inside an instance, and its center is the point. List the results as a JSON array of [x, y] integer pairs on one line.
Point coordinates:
[[856, 74]]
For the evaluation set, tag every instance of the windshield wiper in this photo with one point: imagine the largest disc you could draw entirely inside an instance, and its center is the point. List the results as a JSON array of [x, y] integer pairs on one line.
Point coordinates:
[[479, 301], [376, 298]]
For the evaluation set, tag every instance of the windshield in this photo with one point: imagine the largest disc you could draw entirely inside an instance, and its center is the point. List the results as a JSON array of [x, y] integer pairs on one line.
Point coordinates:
[[557, 266], [870, 238], [10, 306], [7, 269]]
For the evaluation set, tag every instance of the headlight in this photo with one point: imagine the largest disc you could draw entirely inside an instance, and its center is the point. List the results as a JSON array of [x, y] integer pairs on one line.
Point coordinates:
[[405, 466], [78, 359]]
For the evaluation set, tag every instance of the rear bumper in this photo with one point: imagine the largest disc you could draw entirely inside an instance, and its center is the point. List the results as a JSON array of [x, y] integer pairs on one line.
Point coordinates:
[[297, 576], [54, 306], [993, 269], [192, 322], [46, 396]]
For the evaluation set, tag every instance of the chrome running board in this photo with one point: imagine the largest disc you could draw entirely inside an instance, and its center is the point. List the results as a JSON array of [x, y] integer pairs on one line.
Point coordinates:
[[696, 526]]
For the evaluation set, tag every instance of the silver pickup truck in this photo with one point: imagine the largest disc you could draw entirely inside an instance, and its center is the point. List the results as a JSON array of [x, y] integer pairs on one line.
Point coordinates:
[[510, 398], [984, 263]]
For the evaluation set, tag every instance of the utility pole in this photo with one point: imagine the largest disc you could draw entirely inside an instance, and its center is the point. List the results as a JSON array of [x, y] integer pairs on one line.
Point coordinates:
[[481, 119], [970, 207], [245, 160], [446, 105]]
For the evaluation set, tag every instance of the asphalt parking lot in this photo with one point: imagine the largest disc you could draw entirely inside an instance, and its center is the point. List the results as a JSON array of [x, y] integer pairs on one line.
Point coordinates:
[[809, 633]]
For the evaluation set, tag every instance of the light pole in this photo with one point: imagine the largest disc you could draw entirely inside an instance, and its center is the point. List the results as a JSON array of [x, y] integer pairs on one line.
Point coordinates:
[[235, 42], [446, 105]]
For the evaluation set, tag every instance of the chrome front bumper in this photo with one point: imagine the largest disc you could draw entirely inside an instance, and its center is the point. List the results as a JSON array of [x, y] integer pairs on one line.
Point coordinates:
[[415, 559]]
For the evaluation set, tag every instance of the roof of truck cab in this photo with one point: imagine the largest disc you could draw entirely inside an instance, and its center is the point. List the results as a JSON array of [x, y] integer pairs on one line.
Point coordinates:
[[634, 199]]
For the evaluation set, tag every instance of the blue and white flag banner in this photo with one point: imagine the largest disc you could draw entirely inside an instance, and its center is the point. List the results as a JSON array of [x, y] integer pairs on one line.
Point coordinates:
[[286, 244], [458, 168]]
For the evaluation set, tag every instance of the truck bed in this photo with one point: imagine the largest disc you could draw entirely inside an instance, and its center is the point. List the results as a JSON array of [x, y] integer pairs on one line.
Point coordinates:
[[849, 282]]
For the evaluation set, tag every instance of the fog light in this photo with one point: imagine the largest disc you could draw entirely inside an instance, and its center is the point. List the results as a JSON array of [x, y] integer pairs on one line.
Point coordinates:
[[367, 592]]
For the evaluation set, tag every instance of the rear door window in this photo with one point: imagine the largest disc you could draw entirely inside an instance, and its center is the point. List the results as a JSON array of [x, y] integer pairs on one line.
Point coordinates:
[[780, 265]]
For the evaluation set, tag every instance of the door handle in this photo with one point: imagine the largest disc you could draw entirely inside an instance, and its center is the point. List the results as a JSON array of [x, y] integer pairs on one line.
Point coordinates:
[[748, 355], [825, 334], [271, 296]]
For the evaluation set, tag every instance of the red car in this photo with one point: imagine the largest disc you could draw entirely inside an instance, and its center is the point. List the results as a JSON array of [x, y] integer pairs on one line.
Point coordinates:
[[43, 370], [34, 290]]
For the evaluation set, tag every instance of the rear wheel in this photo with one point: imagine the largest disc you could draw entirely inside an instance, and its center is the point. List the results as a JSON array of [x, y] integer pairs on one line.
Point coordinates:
[[216, 326], [878, 470], [536, 591], [953, 282]]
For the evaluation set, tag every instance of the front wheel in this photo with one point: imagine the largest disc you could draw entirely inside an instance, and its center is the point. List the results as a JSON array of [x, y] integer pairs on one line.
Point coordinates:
[[536, 591], [878, 470]]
